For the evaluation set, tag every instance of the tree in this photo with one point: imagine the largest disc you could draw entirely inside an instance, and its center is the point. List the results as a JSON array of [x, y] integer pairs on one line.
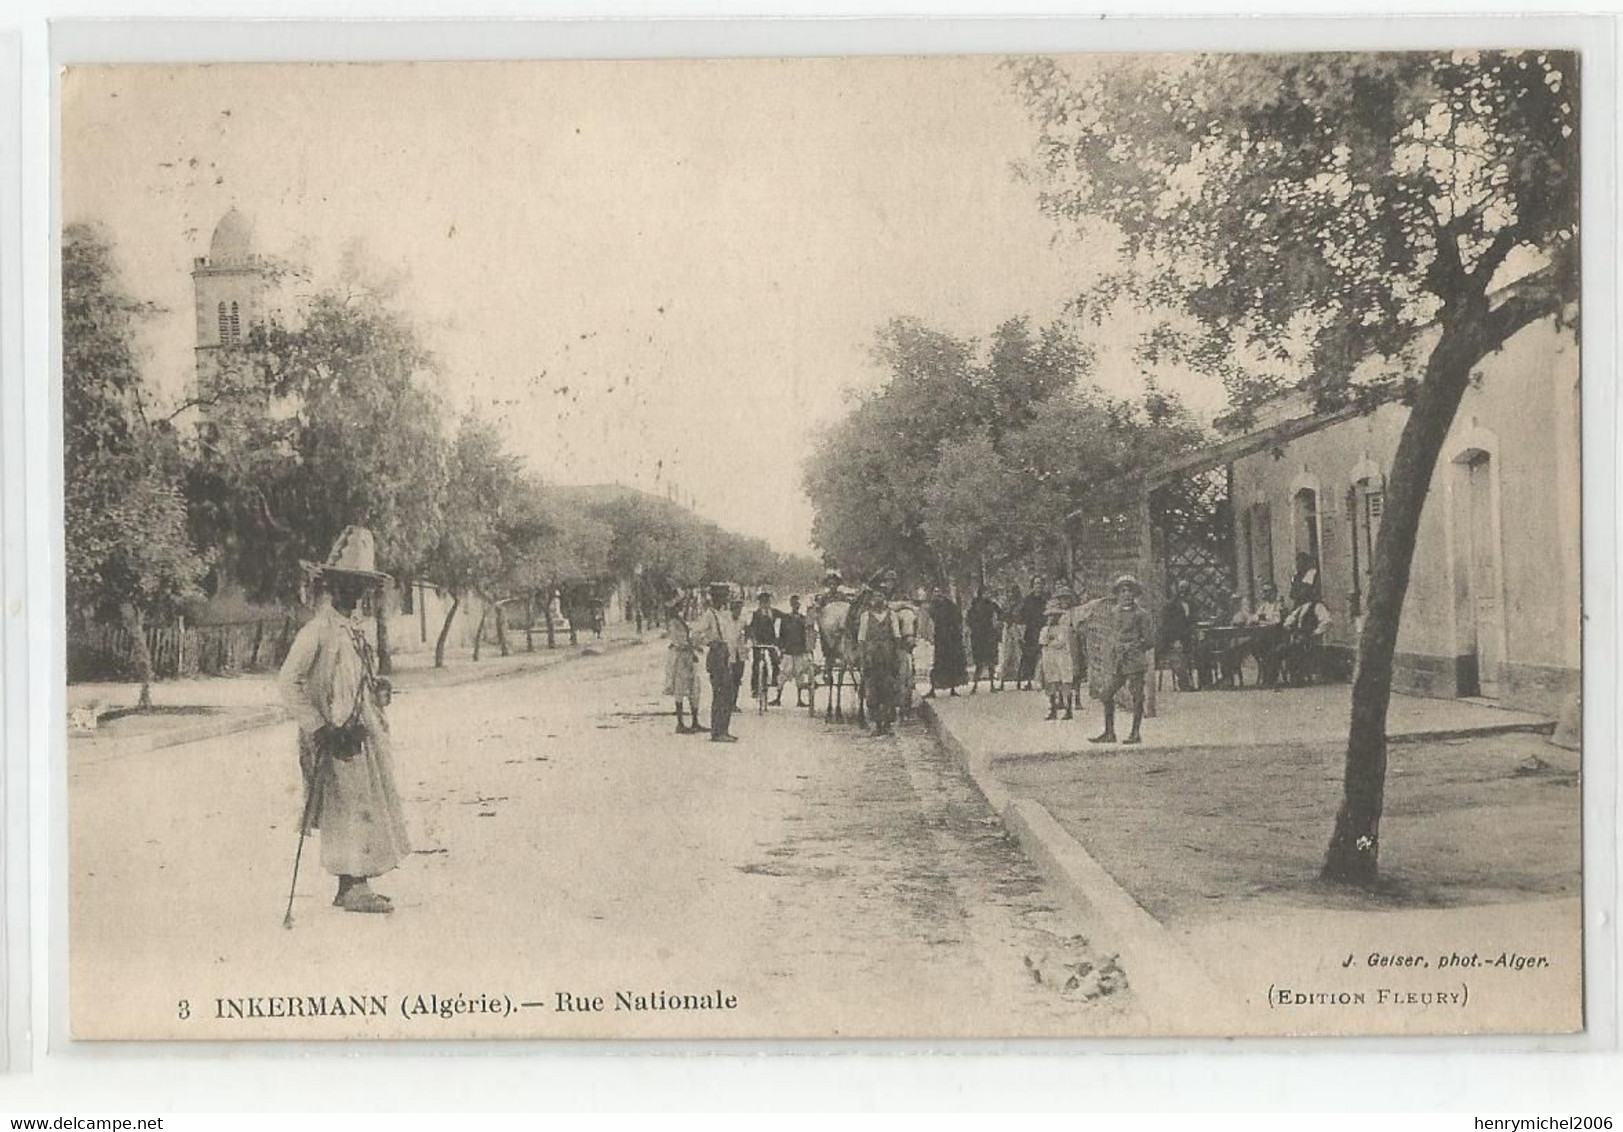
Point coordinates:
[[732, 556], [126, 548], [315, 426], [1397, 216], [547, 544], [467, 557], [654, 541], [871, 475], [968, 458]]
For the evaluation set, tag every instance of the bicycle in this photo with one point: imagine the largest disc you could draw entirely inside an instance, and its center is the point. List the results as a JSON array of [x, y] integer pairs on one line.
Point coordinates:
[[764, 660]]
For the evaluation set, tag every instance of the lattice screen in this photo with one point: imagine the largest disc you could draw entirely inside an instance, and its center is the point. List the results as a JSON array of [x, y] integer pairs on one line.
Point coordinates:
[[1195, 525]]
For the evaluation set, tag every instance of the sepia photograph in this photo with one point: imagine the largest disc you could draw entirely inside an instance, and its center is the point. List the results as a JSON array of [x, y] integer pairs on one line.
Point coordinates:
[[940, 547]]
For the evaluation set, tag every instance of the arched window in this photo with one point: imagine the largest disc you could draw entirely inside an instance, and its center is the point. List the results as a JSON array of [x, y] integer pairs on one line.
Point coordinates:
[[1306, 503], [225, 326], [236, 325]]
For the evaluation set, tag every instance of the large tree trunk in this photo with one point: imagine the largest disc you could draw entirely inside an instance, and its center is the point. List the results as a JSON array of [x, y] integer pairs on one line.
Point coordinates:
[[445, 630], [552, 630], [529, 623], [479, 632], [1355, 845], [142, 656], [380, 616], [501, 630]]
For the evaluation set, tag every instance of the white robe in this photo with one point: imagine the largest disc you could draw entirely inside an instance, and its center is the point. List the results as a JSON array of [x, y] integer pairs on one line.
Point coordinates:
[[325, 677]]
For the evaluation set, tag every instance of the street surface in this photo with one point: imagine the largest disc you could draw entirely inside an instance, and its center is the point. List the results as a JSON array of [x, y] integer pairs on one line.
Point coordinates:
[[569, 845]]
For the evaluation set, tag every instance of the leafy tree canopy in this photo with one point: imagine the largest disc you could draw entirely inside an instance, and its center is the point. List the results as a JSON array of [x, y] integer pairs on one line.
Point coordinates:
[[127, 550], [313, 426], [1329, 208]]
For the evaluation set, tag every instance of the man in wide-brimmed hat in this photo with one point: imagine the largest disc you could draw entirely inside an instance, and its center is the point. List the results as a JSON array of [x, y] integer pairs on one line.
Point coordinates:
[[330, 685], [1133, 635]]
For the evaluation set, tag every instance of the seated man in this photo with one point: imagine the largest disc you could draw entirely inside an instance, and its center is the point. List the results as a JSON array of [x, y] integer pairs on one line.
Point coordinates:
[[1305, 629], [1267, 637]]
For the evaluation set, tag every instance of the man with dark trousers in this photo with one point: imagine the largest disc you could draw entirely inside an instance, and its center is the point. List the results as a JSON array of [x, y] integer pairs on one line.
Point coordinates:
[[1132, 635], [1178, 633], [717, 634]]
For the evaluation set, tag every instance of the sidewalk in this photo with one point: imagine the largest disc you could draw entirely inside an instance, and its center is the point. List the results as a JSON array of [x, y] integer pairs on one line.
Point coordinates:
[[206, 707], [1010, 725], [1201, 850]]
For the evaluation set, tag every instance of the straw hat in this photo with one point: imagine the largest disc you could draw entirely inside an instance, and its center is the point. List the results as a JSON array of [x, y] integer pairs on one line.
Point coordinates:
[[354, 553], [1054, 607], [1127, 581]]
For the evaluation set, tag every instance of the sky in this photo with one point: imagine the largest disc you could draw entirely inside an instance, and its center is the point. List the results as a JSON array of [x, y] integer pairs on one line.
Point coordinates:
[[647, 272]]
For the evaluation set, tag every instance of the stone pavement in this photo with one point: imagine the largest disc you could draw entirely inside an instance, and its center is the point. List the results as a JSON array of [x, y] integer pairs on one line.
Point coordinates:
[[1010, 725]]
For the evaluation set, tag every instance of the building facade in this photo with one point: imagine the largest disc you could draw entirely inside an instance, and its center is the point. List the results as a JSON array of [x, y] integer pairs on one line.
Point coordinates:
[[1494, 600]]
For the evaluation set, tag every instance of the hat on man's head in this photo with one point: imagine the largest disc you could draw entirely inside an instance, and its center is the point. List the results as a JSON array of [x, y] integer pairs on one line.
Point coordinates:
[[1054, 606], [353, 553], [1126, 581]]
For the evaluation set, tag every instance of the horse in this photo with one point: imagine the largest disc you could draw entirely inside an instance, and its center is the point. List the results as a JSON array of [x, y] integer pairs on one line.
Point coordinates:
[[836, 624]]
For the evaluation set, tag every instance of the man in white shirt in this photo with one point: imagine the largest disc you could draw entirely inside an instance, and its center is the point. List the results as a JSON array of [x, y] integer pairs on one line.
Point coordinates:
[[717, 633], [1267, 611]]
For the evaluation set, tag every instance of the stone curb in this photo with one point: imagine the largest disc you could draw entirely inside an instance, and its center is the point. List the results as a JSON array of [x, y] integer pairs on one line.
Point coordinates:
[[1399, 740], [270, 716], [195, 733], [1169, 984]]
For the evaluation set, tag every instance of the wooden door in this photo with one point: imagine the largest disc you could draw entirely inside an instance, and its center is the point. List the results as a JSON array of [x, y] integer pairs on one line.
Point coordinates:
[[1487, 592]]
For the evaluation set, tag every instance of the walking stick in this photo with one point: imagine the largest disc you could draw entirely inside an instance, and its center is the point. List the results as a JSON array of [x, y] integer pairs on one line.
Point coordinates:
[[312, 805]]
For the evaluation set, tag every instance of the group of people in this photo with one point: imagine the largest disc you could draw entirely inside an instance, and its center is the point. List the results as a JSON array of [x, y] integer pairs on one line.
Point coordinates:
[[1040, 640], [1289, 649], [777, 641], [1056, 641]]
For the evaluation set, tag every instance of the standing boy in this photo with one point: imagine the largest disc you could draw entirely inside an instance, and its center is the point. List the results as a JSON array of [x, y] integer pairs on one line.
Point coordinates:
[[1133, 636]]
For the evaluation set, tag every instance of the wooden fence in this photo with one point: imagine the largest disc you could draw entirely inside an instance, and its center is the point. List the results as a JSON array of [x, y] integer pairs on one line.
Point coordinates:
[[100, 652]]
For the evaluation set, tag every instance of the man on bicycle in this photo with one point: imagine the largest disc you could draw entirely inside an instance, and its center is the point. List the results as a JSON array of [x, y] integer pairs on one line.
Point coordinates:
[[762, 633]]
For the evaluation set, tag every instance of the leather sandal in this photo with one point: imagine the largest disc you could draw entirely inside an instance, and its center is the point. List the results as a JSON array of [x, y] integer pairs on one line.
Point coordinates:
[[366, 901], [338, 901]]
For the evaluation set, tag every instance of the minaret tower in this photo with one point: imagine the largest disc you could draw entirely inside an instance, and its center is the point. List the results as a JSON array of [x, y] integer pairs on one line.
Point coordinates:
[[228, 285]]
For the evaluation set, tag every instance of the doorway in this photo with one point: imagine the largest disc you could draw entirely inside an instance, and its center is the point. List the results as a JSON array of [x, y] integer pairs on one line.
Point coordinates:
[[1479, 585]]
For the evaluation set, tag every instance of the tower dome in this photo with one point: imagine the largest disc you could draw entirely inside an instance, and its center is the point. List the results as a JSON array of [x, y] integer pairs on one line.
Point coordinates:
[[233, 239]]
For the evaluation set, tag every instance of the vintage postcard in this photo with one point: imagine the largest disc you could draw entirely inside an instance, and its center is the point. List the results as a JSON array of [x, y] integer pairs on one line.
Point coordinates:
[[951, 547]]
